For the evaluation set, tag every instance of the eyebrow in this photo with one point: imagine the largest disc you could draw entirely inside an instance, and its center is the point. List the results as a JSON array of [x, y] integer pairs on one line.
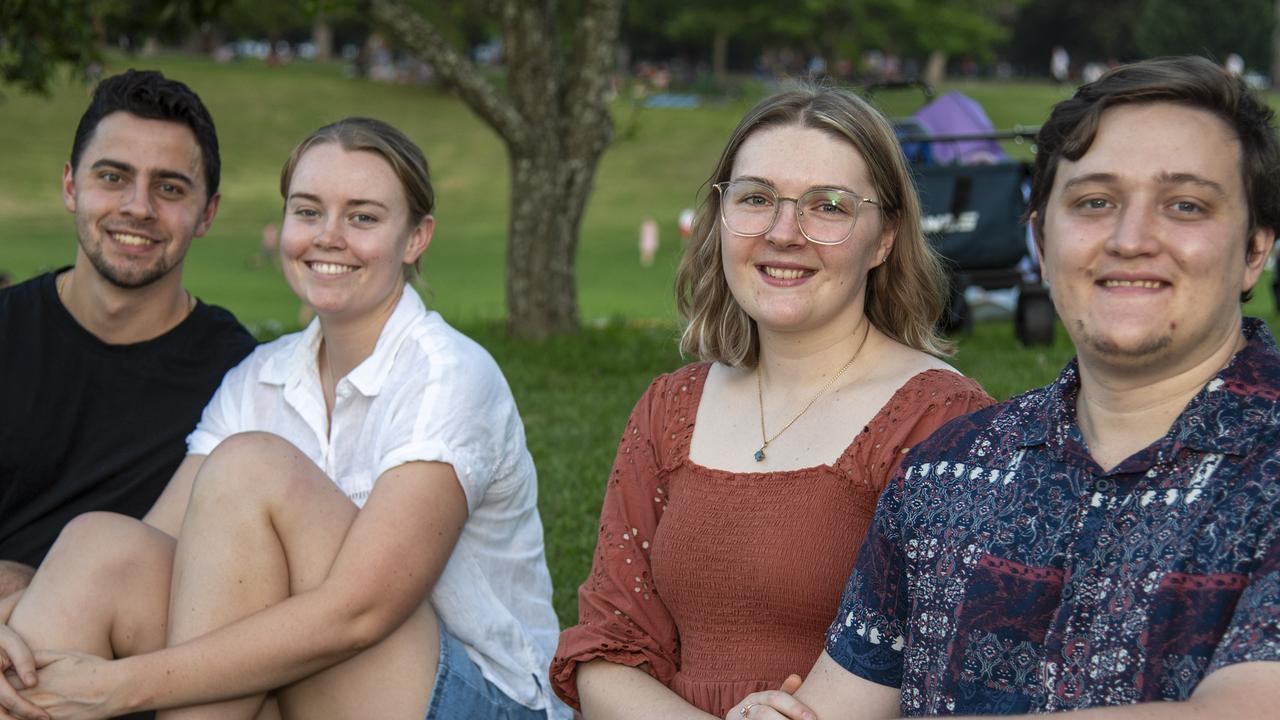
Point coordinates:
[[350, 203], [1164, 178], [126, 167], [1192, 179], [762, 181]]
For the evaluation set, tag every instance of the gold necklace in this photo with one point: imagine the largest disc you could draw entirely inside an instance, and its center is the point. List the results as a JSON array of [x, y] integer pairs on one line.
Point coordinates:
[[759, 456]]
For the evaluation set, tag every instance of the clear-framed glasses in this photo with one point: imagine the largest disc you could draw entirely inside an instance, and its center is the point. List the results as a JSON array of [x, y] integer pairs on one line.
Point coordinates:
[[826, 215]]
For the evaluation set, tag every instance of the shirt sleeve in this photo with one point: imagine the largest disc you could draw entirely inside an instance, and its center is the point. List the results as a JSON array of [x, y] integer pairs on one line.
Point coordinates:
[[1254, 632], [869, 630], [620, 617], [222, 417], [924, 404], [460, 412]]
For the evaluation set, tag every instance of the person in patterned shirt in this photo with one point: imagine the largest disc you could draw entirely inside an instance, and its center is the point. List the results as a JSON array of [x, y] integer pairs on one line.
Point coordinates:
[[1108, 543]]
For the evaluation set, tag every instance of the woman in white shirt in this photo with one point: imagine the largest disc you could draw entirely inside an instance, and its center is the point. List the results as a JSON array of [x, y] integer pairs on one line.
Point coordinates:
[[356, 522]]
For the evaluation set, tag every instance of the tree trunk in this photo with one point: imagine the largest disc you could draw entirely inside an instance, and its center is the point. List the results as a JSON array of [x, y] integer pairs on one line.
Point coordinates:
[[542, 296], [720, 54], [555, 123], [935, 70], [322, 37]]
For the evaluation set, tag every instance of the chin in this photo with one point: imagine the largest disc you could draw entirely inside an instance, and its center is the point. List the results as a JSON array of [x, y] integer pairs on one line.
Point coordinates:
[[1124, 346]]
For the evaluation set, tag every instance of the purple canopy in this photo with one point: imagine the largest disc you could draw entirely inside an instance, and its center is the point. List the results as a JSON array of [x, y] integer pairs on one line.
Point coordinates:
[[956, 114]]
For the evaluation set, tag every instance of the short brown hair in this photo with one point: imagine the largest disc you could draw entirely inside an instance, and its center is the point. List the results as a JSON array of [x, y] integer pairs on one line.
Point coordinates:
[[369, 135], [1190, 81], [905, 294]]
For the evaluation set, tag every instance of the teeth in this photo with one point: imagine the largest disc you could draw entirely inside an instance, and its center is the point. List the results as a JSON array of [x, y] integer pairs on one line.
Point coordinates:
[[330, 268], [784, 273], [1147, 284], [126, 239]]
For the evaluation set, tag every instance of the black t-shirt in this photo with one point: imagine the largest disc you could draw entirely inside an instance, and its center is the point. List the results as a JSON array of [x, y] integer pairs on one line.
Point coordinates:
[[89, 426]]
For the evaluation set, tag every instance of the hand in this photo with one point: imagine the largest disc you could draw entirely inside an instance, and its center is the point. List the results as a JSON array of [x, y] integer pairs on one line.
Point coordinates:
[[19, 670], [74, 686], [773, 704]]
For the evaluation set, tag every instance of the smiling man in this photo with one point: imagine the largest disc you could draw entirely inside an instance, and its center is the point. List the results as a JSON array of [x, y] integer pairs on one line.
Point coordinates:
[[1109, 543], [106, 365]]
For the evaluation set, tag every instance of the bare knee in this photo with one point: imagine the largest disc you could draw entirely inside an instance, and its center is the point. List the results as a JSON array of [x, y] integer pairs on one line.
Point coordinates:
[[106, 544], [248, 466]]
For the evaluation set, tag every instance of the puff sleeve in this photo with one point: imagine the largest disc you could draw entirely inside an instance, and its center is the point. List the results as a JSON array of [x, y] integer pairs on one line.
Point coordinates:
[[620, 616]]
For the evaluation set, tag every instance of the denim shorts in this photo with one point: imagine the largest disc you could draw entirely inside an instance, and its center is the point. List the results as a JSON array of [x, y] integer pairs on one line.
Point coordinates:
[[461, 691]]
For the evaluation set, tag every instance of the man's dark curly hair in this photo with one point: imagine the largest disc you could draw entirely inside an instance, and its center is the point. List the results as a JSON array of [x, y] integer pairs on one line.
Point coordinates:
[[149, 94]]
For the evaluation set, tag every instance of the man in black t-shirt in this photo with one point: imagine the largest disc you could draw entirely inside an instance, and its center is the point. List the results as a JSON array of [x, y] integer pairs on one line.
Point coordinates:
[[106, 365]]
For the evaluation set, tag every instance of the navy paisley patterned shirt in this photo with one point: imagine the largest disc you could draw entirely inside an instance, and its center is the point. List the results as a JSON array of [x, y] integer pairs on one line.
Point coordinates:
[[1007, 573]]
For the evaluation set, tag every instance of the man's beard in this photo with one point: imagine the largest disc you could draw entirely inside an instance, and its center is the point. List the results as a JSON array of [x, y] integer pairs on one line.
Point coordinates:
[[127, 278], [1108, 348]]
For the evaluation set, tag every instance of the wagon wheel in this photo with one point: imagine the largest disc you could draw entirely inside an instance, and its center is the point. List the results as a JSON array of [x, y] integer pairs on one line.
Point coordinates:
[[1034, 318]]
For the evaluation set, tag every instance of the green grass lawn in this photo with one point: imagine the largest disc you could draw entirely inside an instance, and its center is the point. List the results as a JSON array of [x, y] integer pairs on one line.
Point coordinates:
[[575, 392]]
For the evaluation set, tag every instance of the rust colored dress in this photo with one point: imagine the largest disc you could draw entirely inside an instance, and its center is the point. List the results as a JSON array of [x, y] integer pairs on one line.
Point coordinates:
[[724, 583]]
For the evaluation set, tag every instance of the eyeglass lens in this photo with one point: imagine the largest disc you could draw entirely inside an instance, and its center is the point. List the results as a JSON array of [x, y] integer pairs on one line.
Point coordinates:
[[825, 215]]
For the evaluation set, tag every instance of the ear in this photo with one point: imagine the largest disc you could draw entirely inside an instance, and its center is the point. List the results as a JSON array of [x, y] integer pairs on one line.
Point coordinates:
[[206, 216], [1258, 250], [69, 187], [888, 234], [419, 239], [1037, 236]]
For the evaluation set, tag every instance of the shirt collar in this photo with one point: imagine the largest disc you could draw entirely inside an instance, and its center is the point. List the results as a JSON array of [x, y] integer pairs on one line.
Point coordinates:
[[367, 377], [1216, 419], [1249, 384]]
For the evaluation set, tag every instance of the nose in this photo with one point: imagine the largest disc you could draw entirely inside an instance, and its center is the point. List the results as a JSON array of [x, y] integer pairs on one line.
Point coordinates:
[[330, 234], [138, 204], [1136, 231], [786, 226]]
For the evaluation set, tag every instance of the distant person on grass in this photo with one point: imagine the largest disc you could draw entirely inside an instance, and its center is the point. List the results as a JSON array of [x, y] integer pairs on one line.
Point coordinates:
[[105, 366], [744, 483], [355, 526], [1111, 539]]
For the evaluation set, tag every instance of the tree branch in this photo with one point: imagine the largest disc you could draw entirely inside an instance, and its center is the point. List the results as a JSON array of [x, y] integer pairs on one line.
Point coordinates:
[[595, 57], [455, 70], [530, 45]]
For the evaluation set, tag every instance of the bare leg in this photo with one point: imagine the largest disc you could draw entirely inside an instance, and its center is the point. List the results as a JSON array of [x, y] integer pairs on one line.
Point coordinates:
[[102, 589], [265, 523]]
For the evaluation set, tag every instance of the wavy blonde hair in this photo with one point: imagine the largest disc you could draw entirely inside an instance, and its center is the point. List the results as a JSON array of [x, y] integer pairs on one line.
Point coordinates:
[[905, 294]]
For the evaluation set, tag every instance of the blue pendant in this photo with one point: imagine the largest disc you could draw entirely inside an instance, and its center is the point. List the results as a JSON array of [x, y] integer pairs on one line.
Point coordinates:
[[760, 455]]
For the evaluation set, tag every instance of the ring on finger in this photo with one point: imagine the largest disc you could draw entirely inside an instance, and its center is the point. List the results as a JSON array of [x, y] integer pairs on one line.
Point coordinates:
[[746, 709]]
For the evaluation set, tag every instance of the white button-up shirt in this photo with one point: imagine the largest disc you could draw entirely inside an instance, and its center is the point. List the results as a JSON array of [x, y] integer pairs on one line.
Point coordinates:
[[427, 393]]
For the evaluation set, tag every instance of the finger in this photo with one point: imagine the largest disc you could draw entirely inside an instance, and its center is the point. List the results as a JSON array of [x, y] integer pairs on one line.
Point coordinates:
[[19, 657], [791, 684], [18, 706], [774, 705]]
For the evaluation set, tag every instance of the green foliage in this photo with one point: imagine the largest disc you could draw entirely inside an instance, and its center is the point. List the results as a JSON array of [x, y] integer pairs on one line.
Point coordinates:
[[37, 37], [828, 27], [1204, 27]]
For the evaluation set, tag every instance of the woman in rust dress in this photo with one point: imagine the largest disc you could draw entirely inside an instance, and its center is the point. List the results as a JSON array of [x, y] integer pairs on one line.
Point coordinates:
[[745, 483]]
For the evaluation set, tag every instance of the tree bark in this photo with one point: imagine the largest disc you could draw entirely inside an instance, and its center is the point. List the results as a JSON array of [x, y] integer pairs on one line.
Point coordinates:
[[720, 54], [555, 124], [322, 37], [935, 69]]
